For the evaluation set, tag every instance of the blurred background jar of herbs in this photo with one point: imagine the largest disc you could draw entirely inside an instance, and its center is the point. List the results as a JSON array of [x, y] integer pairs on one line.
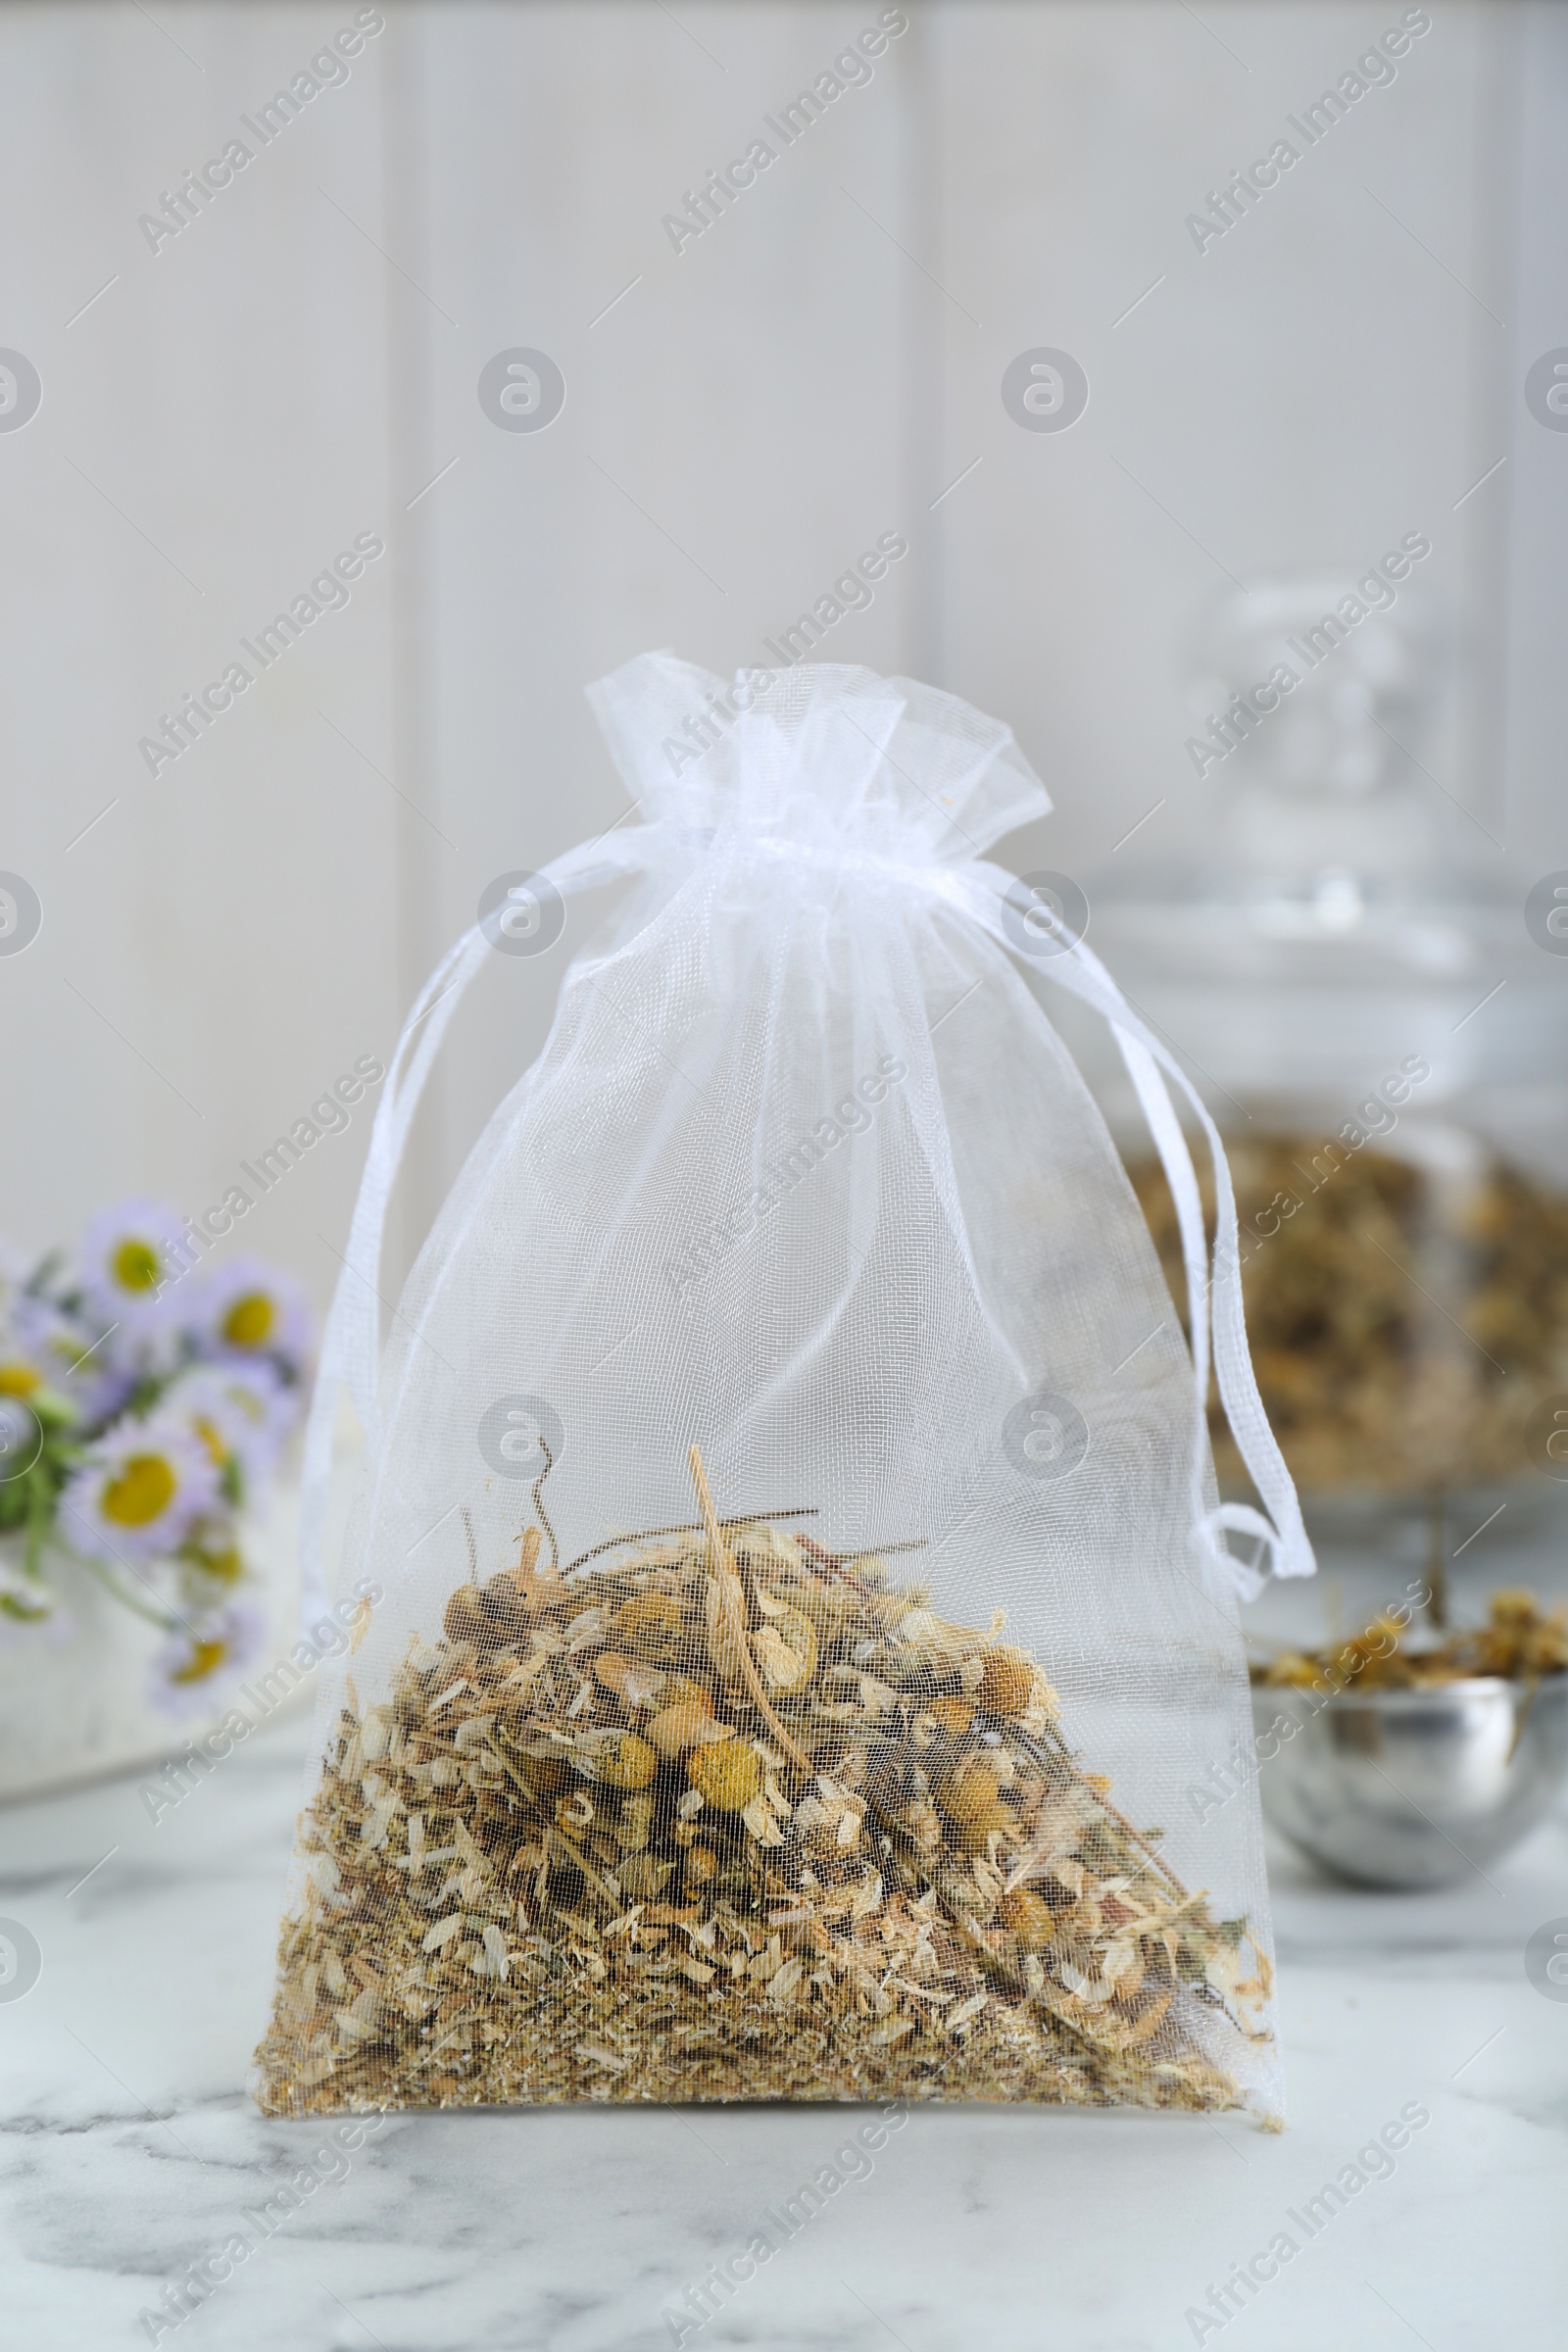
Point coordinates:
[[1375, 1005]]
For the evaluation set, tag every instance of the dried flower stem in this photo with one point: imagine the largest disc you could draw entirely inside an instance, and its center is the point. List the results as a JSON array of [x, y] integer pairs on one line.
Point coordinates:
[[687, 1527], [539, 1504], [729, 1584]]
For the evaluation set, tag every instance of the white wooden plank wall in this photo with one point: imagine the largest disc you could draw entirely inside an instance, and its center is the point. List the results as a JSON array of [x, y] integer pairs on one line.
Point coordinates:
[[812, 371]]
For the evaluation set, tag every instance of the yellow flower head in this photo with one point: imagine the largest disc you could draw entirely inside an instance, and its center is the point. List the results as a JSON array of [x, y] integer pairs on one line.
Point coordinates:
[[250, 1321], [137, 1265], [215, 1647], [142, 1490], [205, 1658], [129, 1253], [141, 1493]]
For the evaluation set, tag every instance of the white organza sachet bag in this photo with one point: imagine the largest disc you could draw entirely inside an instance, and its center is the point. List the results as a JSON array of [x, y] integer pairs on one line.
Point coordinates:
[[802, 1605]]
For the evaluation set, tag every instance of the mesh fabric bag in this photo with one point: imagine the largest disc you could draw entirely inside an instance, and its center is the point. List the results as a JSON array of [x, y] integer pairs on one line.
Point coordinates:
[[803, 1611]]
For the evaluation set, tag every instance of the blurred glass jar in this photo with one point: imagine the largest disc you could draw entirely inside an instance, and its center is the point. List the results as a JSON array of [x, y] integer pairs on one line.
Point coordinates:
[[1347, 972]]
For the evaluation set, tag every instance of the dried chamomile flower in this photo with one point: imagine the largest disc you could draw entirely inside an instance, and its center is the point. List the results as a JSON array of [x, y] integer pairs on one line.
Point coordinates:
[[625, 1761], [635, 1821], [648, 1626], [729, 1774], [969, 1790], [1029, 1917], [1006, 1681]]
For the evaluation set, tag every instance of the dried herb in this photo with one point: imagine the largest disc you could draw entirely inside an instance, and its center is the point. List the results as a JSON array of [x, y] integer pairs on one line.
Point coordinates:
[[725, 1815], [1402, 1326], [1518, 1642]]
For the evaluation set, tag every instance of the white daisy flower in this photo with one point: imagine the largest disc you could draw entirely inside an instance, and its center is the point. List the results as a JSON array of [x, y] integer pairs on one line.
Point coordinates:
[[129, 1261], [191, 1664], [44, 1348], [141, 1492], [242, 1412], [252, 1312]]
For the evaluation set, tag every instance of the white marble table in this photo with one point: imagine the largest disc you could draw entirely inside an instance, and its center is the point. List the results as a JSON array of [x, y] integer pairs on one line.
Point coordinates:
[[132, 2151]]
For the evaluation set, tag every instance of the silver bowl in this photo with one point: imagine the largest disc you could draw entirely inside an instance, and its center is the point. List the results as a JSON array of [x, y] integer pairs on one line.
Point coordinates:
[[1412, 1787]]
